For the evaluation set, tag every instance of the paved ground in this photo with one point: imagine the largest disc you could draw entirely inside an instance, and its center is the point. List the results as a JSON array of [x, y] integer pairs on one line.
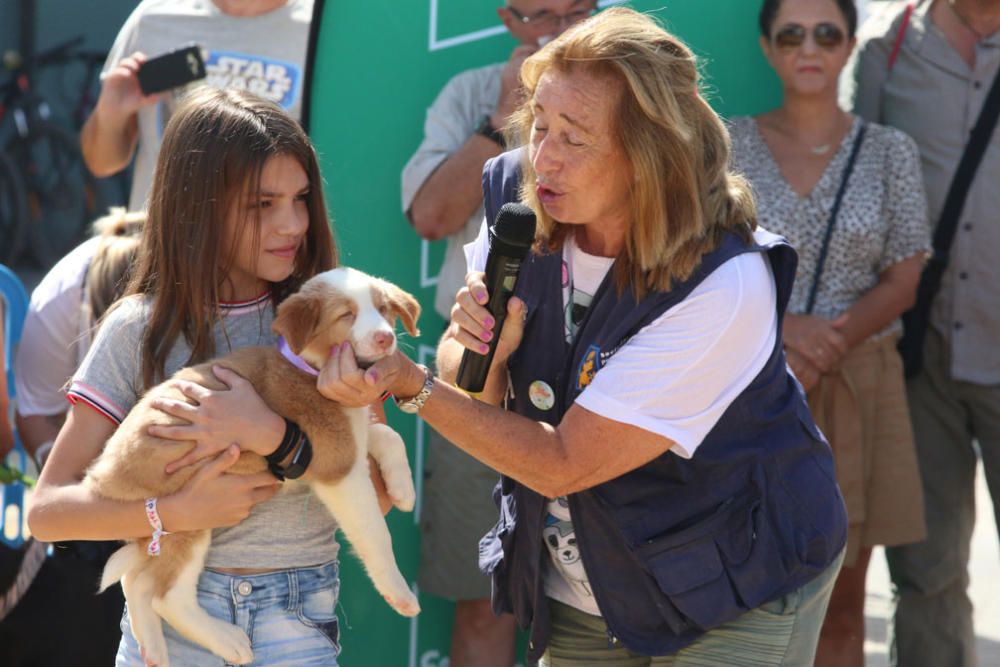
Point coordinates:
[[985, 573]]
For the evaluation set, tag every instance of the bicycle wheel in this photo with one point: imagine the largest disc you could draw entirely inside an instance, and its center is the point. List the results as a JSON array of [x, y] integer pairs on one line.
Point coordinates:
[[13, 212], [61, 196]]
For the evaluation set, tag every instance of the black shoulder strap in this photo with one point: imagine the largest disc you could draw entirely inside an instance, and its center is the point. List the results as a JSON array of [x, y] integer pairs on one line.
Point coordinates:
[[825, 248], [917, 319]]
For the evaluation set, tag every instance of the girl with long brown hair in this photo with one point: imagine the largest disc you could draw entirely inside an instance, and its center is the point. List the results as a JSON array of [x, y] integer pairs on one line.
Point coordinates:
[[236, 222]]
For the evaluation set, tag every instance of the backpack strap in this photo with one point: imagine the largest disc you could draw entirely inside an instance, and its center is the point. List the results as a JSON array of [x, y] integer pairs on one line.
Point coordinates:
[[901, 34], [916, 320]]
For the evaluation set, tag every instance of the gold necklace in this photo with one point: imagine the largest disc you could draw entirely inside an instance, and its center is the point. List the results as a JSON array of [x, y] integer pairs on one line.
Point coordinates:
[[823, 149]]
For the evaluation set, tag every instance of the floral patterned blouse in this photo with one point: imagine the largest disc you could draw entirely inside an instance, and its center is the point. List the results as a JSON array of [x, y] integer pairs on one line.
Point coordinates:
[[882, 218]]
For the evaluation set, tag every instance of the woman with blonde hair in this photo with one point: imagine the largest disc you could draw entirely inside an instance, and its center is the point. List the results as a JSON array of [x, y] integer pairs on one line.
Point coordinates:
[[110, 270], [665, 498]]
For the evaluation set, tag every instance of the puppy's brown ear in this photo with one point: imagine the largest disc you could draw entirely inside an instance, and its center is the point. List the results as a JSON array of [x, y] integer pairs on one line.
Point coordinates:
[[403, 305], [297, 320]]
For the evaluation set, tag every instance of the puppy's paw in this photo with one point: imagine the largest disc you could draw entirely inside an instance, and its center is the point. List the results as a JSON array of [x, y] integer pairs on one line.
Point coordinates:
[[399, 485], [406, 605], [404, 499], [232, 644], [154, 653]]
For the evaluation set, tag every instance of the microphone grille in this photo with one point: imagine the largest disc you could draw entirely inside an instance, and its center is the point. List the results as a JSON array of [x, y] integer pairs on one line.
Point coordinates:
[[515, 224]]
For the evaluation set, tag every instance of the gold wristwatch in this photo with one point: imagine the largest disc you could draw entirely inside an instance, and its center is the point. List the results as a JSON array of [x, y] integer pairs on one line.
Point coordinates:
[[413, 405]]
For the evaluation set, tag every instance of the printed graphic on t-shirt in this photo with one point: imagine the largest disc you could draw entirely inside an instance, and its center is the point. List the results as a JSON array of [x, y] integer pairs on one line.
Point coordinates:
[[560, 538], [576, 309], [274, 80]]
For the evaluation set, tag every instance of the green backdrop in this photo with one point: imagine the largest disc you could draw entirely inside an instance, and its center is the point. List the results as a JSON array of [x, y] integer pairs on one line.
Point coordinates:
[[379, 65]]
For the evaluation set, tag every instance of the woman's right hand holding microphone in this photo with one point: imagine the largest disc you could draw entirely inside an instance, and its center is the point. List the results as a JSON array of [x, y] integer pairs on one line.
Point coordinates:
[[472, 324]]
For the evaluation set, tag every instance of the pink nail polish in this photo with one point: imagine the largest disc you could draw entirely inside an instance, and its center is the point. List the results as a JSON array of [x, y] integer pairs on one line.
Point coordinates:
[[489, 323], [487, 335], [484, 348]]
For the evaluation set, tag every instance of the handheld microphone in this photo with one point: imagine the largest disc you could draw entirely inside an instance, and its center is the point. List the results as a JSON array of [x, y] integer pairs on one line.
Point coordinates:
[[511, 237]]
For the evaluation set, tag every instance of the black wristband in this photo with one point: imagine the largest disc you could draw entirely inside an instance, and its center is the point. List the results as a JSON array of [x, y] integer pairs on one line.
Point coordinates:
[[487, 130], [288, 442], [300, 461]]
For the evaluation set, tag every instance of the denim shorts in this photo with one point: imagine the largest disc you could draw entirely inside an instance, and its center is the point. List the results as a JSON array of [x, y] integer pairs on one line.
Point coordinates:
[[289, 616]]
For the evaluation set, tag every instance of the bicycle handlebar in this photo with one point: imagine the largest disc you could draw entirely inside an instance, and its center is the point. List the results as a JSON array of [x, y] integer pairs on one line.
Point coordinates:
[[59, 53], [63, 53]]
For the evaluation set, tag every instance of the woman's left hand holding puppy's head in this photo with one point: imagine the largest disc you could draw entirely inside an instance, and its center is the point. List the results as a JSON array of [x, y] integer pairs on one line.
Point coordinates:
[[342, 381]]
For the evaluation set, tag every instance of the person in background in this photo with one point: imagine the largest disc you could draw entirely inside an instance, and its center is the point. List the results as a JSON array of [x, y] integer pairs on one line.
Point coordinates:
[[927, 71], [63, 312], [860, 257], [254, 45], [6, 431], [442, 198], [62, 316], [666, 497]]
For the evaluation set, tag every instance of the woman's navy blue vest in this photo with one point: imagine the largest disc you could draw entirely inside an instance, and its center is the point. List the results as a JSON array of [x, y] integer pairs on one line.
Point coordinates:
[[677, 546]]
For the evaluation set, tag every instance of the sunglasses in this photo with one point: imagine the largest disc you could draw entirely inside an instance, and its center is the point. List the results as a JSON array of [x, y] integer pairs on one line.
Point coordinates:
[[826, 35]]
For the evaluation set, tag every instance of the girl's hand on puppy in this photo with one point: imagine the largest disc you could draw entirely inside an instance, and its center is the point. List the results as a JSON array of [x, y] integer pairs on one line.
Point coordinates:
[[212, 498], [217, 419]]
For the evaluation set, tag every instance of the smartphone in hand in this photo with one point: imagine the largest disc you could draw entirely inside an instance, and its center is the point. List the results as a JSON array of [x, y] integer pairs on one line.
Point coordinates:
[[172, 69]]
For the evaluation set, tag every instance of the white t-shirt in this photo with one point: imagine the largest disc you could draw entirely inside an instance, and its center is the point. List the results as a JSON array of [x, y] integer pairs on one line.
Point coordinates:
[[675, 377], [56, 335], [263, 54]]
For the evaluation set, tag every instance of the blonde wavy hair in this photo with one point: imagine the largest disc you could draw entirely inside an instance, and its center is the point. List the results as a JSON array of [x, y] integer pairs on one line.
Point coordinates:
[[683, 196], [120, 232]]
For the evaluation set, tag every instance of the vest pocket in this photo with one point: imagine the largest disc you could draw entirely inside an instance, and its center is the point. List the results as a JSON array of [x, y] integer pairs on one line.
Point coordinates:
[[718, 569]]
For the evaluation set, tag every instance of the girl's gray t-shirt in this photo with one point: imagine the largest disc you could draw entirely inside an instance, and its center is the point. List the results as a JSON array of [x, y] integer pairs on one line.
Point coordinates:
[[293, 529]]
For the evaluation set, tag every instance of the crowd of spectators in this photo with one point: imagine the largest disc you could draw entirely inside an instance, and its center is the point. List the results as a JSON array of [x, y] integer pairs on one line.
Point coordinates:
[[884, 190]]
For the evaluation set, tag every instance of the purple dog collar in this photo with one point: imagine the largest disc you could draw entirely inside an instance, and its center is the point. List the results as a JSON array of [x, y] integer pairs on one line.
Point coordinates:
[[295, 359]]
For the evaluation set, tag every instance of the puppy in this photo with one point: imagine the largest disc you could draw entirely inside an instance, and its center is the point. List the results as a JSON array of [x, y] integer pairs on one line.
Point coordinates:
[[333, 307]]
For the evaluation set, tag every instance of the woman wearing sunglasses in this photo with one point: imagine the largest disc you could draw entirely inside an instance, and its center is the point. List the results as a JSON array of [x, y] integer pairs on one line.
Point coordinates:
[[849, 196]]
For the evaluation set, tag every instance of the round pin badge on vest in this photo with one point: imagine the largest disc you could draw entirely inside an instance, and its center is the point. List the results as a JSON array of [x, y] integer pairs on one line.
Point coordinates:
[[541, 395]]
